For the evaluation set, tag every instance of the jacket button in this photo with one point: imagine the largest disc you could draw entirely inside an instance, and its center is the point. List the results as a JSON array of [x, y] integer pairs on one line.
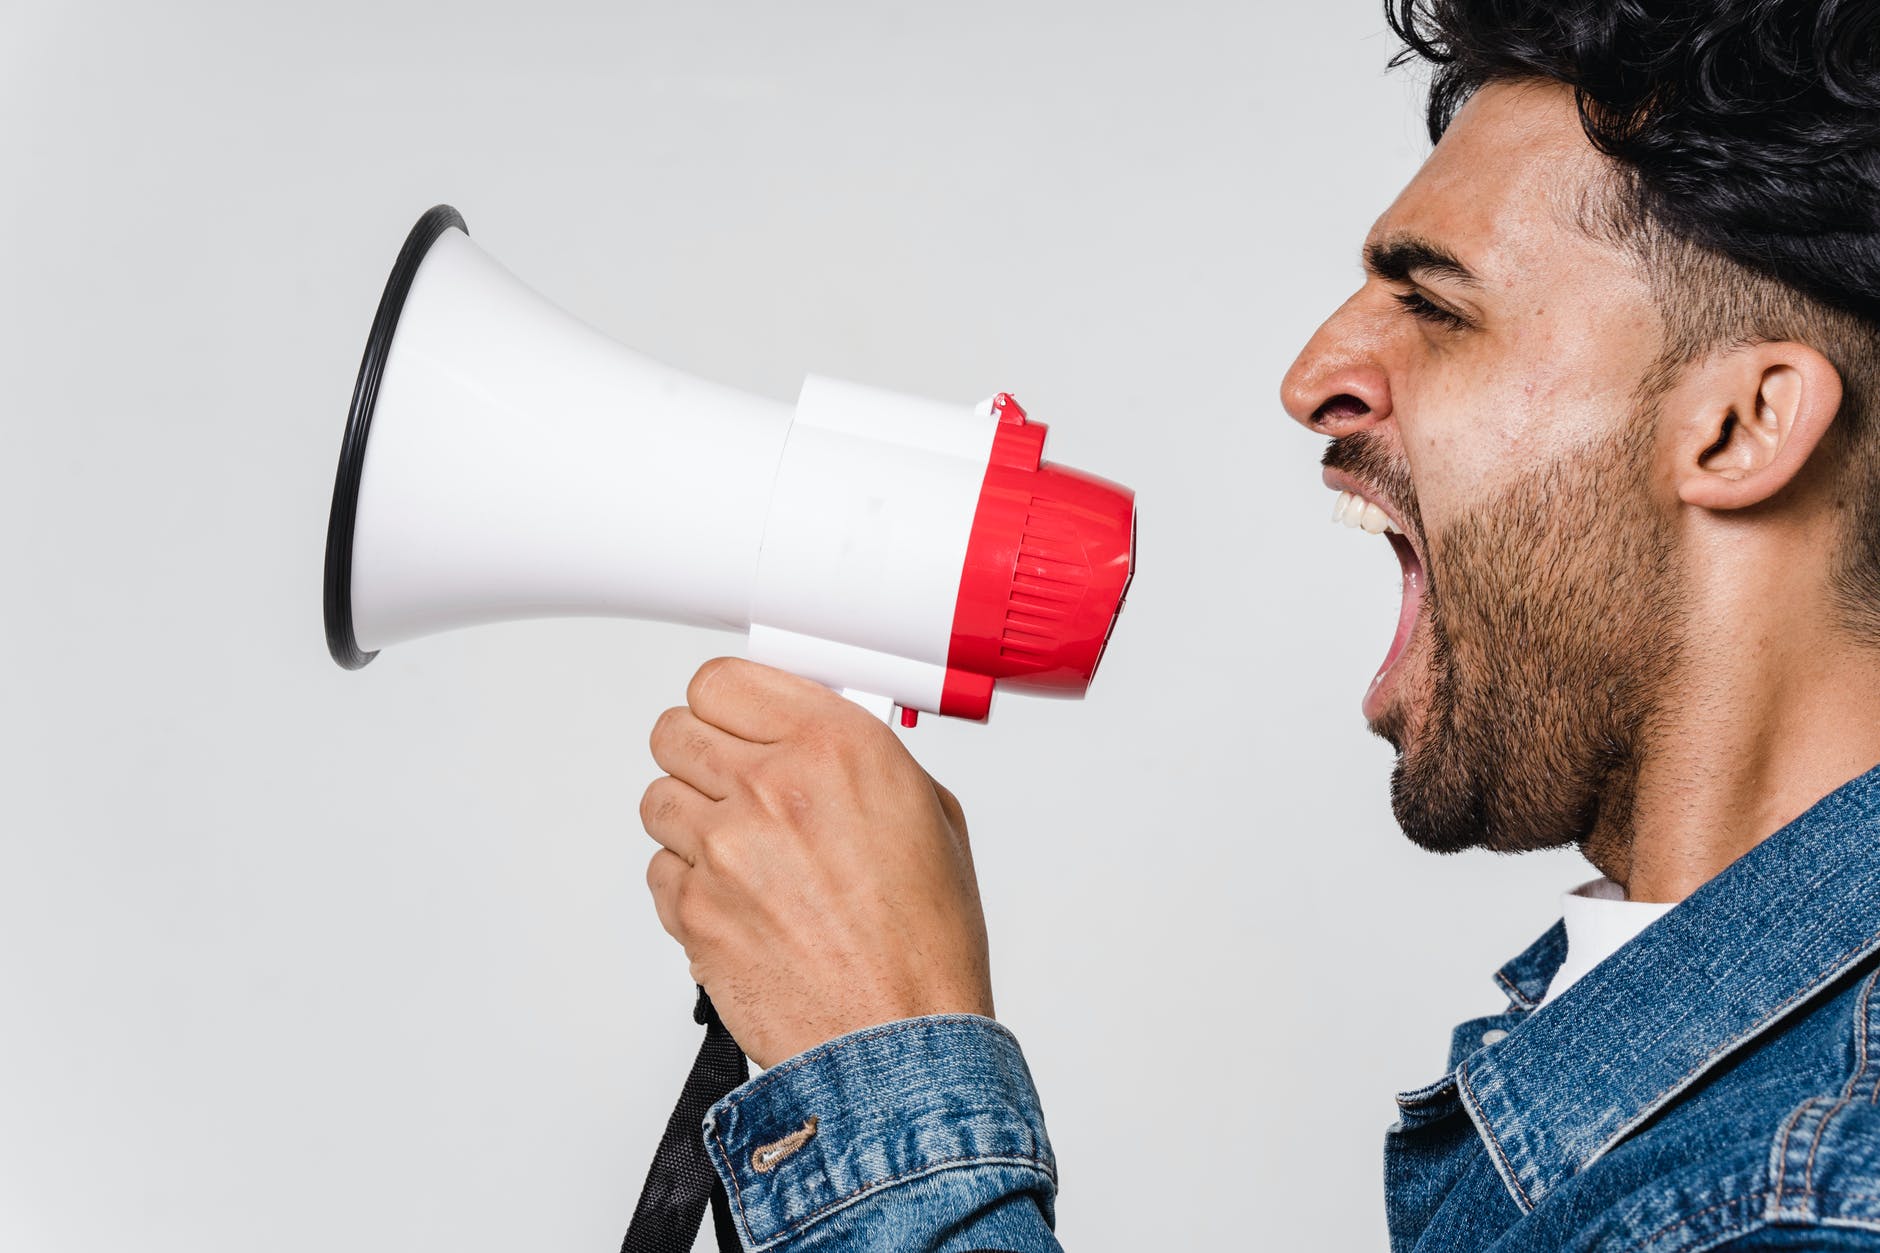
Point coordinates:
[[1494, 1035]]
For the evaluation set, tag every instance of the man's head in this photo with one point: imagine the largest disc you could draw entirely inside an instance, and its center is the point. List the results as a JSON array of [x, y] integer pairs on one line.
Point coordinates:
[[1613, 357]]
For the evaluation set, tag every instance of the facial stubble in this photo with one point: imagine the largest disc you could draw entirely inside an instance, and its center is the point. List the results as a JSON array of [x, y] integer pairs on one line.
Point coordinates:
[[1552, 613]]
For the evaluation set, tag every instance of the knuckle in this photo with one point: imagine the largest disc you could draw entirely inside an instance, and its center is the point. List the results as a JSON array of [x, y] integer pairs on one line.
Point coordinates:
[[776, 784], [658, 804], [818, 751], [720, 854], [859, 739], [662, 727], [726, 855], [690, 907], [760, 776], [790, 800], [816, 743], [705, 676], [700, 748]]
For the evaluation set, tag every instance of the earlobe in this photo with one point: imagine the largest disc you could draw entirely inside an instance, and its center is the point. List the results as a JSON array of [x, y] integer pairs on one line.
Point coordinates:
[[1760, 412]]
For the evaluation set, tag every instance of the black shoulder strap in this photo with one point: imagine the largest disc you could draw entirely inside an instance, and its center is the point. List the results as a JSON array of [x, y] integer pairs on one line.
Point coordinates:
[[681, 1179]]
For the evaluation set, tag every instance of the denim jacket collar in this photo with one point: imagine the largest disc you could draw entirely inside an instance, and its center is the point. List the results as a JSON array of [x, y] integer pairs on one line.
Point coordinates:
[[1525, 978], [1742, 952]]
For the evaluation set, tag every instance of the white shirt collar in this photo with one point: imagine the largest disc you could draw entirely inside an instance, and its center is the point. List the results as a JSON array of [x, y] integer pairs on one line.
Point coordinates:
[[1600, 922]]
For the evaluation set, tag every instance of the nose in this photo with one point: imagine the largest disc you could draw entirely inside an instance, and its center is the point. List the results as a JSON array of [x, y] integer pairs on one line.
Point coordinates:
[[1338, 385]]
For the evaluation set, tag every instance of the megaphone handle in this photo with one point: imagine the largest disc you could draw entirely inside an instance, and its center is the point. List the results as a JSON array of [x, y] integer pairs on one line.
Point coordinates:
[[829, 662], [880, 706], [682, 1179]]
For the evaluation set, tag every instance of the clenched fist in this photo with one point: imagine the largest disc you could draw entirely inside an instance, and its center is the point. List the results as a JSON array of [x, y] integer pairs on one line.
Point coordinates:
[[819, 879]]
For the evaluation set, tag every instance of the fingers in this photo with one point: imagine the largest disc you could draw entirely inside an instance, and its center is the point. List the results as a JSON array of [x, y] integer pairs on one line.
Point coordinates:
[[696, 752], [756, 703], [675, 814], [664, 874]]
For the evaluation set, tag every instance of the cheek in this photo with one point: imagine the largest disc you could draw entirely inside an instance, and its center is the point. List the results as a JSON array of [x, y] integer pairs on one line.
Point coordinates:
[[1466, 438], [1481, 427]]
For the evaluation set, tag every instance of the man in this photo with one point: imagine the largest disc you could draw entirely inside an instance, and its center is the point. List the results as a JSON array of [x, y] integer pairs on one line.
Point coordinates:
[[1611, 388]]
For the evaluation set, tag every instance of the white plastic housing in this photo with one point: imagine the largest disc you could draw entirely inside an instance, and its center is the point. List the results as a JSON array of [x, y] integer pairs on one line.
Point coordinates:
[[866, 538], [521, 465]]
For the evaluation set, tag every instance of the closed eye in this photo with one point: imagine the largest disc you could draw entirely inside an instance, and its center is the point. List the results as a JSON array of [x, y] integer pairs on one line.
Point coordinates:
[[1423, 309]]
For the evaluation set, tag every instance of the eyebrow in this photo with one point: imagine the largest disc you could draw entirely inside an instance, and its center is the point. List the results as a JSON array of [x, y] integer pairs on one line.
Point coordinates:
[[1400, 259]]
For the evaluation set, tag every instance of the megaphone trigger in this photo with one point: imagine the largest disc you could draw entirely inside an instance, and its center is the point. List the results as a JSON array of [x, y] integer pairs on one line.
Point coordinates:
[[881, 706]]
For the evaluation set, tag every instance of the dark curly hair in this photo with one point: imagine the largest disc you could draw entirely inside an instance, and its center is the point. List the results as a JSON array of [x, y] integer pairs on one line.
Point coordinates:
[[1744, 137]]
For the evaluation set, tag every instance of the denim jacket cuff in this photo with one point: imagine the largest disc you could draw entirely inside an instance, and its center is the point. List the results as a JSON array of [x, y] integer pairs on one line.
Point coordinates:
[[847, 1120]]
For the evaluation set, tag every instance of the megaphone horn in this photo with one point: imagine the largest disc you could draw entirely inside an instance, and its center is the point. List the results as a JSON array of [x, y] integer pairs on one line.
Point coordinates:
[[503, 460]]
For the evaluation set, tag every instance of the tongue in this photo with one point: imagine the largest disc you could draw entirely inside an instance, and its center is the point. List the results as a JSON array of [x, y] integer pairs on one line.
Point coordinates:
[[1412, 599]]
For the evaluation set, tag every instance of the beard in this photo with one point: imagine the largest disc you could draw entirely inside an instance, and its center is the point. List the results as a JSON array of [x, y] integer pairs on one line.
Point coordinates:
[[1552, 617]]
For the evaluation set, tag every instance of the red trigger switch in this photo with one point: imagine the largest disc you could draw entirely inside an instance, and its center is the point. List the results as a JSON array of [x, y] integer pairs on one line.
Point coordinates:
[[1007, 410], [909, 717]]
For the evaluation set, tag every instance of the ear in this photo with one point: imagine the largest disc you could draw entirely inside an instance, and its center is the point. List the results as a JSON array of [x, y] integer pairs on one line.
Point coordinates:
[[1755, 414]]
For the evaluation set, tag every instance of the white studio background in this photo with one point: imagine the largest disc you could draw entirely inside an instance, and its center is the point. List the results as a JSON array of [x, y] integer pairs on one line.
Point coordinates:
[[301, 959]]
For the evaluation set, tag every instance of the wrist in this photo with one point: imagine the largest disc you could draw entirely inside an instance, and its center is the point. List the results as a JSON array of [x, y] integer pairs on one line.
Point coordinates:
[[770, 1048]]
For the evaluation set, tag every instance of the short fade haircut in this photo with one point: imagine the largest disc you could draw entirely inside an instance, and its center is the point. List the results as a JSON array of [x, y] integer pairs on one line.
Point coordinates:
[[1744, 137]]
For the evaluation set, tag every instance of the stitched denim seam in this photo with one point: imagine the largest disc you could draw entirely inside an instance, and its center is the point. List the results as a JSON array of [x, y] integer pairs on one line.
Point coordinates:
[[1723, 1050], [874, 1185], [1753, 1197], [817, 1054], [1840, 964], [1421, 1097], [1494, 1143], [1815, 1221], [1738, 1232], [1782, 1151], [1515, 994], [731, 1168], [1692, 1217], [1821, 1128], [1865, 1027], [1861, 1010], [1862, 1061]]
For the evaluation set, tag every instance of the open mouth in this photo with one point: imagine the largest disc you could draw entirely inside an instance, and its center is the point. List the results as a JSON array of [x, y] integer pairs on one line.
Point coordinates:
[[1359, 512]]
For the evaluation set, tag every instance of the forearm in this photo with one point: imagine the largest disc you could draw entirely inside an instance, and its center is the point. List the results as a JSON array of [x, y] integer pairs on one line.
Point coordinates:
[[921, 1136]]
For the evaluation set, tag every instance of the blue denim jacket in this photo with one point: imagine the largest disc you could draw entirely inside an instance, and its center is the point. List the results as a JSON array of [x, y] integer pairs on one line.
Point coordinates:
[[1711, 1086]]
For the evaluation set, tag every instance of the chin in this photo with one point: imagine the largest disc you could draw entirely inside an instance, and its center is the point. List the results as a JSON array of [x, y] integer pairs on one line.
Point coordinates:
[[1396, 705], [1388, 725]]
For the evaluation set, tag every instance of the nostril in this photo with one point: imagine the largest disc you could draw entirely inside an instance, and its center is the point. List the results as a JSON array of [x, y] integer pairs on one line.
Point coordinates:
[[1340, 407]]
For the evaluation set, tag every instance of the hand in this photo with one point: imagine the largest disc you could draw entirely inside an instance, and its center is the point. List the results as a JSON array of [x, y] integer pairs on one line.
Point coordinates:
[[819, 879]]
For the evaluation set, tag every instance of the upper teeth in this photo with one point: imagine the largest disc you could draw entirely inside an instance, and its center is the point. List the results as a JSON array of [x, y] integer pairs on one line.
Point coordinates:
[[1354, 510]]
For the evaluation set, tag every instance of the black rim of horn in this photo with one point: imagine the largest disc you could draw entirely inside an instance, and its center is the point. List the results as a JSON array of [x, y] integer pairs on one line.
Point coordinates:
[[340, 640]]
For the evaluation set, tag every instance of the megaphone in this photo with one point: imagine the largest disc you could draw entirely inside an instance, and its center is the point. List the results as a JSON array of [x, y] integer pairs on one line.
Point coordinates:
[[503, 460]]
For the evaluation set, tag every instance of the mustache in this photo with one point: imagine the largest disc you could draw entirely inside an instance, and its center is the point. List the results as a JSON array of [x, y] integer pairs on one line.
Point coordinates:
[[1366, 457]]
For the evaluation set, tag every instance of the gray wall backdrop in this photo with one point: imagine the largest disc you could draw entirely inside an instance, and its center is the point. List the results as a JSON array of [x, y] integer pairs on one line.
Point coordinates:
[[307, 960]]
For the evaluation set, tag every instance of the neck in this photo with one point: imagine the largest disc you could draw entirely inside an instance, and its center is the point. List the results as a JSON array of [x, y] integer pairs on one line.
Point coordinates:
[[1769, 713]]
